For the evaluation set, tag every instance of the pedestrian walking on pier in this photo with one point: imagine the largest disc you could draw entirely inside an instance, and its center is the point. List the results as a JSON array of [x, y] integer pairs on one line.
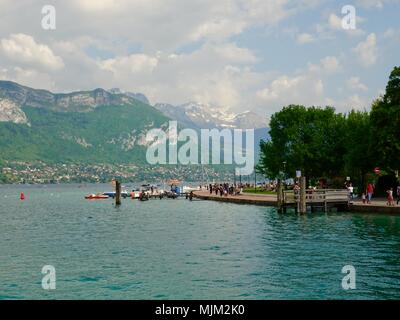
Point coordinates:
[[351, 190], [390, 201], [364, 198]]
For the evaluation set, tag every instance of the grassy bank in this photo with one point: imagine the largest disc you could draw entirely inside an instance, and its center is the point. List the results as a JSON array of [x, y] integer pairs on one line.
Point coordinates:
[[258, 191]]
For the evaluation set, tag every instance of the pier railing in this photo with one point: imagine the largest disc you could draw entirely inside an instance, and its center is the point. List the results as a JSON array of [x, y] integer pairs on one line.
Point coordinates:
[[318, 196]]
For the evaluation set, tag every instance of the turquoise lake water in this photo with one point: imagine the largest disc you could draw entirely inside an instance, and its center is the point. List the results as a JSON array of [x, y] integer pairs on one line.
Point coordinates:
[[176, 249]]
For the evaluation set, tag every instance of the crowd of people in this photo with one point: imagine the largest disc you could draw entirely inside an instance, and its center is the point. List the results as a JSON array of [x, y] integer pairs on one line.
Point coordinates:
[[367, 195], [225, 189]]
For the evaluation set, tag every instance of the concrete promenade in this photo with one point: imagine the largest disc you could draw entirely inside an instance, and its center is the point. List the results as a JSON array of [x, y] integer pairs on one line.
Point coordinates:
[[245, 198], [377, 205]]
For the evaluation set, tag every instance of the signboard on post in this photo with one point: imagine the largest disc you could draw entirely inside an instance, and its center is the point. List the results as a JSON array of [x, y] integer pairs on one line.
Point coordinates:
[[298, 173]]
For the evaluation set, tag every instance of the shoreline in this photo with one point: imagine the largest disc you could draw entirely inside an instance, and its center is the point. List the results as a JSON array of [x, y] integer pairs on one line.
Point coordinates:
[[377, 206]]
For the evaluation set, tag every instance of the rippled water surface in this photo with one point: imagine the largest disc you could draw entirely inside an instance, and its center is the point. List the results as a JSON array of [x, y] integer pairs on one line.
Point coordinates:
[[176, 249]]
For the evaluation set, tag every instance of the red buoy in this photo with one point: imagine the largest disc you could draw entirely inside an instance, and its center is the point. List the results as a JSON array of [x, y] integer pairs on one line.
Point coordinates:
[[22, 196]]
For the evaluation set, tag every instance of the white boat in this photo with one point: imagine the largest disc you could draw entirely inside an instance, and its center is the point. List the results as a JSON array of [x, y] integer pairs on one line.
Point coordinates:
[[188, 189]]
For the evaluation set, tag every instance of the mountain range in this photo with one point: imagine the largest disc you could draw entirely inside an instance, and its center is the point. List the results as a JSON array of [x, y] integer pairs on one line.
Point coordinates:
[[98, 126], [88, 126], [204, 116]]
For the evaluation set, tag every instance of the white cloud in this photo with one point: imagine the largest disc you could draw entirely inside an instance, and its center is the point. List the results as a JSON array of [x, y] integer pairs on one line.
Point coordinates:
[[215, 74], [167, 25], [328, 65], [354, 83], [22, 48], [392, 34], [335, 22], [103, 5], [300, 89], [353, 102], [371, 3], [304, 38], [261, 11], [307, 86], [367, 51], [177, 50], [134, 63], [217, 30], [356, 102], [28, 77], [233, 54]]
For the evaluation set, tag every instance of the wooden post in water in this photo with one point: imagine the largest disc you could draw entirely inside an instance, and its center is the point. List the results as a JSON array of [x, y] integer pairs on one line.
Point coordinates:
[[279, 196], [303, 200], [117, 193]]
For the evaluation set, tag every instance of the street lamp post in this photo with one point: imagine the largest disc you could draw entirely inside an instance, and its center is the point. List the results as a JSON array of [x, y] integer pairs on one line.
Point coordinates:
[[255, 180]]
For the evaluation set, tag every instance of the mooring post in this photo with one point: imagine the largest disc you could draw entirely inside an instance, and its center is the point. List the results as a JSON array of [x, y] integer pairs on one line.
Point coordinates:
[[279, 195], [303, 201], [117, 193]]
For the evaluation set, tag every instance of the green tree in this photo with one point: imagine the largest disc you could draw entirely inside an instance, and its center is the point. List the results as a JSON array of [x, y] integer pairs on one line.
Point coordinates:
[[310, 139], [385, 123], [358, 159]]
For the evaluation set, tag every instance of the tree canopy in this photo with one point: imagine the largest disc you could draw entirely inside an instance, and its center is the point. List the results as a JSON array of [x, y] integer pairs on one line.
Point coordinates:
[[307, 139], [385, 122], [323, 143]]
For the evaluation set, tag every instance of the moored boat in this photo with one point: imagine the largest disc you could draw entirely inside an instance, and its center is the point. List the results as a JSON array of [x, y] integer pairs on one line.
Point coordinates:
[[112, 194], [97, 196]]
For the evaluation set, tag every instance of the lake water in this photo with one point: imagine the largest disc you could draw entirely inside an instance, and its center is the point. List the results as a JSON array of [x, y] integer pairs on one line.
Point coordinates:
[[176, 249]]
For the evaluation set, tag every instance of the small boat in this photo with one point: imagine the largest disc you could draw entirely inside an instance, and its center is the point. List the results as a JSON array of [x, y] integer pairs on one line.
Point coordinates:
[[188, 189], [112, 194], [135, 194], [96, 196]]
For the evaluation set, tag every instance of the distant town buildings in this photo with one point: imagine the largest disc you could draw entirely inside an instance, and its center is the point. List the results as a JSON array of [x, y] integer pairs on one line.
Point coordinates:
[[17, 172]]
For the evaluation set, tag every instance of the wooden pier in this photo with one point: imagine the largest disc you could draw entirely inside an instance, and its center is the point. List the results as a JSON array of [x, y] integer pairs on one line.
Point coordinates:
[[315, 200], [310, 199], [288, 199], [246, 198]]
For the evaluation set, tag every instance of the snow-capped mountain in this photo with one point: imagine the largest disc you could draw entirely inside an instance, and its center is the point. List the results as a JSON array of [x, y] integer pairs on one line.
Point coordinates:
[[204, 116], [200, 115]]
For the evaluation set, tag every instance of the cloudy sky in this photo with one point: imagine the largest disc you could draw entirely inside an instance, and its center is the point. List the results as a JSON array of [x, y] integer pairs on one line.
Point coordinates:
[[244, 54]]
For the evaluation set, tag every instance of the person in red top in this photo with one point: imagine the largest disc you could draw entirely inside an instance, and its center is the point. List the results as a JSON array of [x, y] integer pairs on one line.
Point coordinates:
[[370, 192]]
